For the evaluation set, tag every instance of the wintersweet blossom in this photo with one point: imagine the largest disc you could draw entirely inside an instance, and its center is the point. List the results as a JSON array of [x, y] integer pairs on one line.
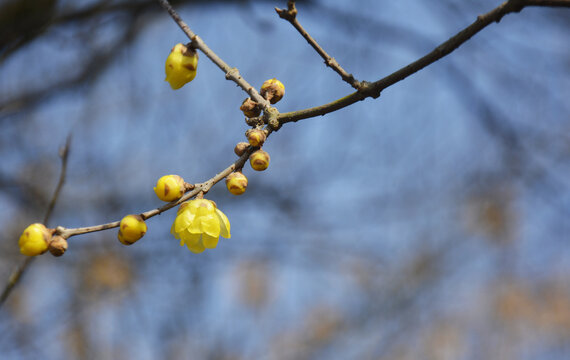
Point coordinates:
[[181, 66], [199, 224], [34, 240]]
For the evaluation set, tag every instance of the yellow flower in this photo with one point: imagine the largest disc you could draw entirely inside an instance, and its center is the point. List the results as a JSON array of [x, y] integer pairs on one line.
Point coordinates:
[[199, 225], [181, 66], [131, 229], [169, 188], [259, 160], [236, 183], [34, 240]]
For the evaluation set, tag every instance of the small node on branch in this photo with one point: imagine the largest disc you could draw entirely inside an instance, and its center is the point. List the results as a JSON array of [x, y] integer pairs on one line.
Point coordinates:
[[270, 117], [274, 123], [288, 14], [233, 73], [367, 89], [58, 245]]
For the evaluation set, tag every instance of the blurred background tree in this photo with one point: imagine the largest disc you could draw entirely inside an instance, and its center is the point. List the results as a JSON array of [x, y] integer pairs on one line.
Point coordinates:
[[429, 223]]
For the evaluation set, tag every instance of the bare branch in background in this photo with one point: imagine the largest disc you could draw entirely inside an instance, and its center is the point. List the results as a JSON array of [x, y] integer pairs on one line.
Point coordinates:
[[17, 274]]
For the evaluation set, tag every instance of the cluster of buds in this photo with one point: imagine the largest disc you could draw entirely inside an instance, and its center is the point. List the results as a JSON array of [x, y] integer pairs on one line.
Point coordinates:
[[272, 90], [236, 182], [199, 223], [37, 239], [259, 159]]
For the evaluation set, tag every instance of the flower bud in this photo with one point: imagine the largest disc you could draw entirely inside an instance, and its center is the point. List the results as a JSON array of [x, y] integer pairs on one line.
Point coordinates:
[[241, 148], [57, 245], [272, 90], [256, 137], [236, 183], [259, 160], [34, 240], [131, 229], [250, 108], [181, 66], [169, 188]]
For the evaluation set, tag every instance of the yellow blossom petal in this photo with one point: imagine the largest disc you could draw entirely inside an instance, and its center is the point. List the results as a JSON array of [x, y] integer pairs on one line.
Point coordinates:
[[198, 248], [210, 224], [189, 238], [205, 207], [210, 242], [224, 224], [183, 220], [174, 233]]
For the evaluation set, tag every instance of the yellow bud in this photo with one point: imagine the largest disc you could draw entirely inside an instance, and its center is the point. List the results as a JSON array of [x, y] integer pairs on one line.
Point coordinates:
[[57, 245], [259, 160], [250, 108], [236, 183], [181, 66], [169, 188], [272, 90], [34, 240], [240, 148], [131, 229], [256, 137]]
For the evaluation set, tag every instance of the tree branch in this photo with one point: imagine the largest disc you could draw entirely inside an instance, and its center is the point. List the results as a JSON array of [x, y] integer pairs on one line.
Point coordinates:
[[231, 73], [202, 187], [291, 16], [374, 89], [19, 271]]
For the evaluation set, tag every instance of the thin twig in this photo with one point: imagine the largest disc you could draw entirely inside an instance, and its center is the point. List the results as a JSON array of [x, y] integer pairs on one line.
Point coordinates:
[[373, 89], [291, 16], [16, 275], [231, 73], [63, 154]]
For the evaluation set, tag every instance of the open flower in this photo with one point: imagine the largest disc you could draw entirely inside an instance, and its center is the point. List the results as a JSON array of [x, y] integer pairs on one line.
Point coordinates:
[[199, 225]]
